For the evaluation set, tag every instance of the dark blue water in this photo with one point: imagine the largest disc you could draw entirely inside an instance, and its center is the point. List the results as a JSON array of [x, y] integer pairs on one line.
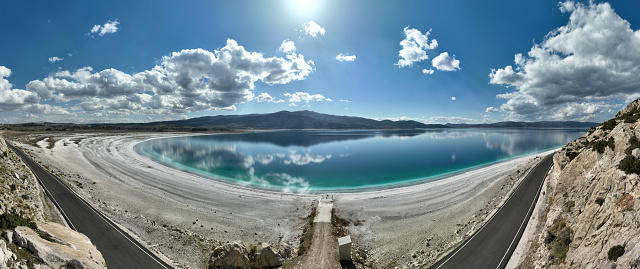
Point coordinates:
[[319, 161]]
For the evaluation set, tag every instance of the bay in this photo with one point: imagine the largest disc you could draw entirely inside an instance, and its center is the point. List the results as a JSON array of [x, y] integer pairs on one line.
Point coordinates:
[[353, 160]]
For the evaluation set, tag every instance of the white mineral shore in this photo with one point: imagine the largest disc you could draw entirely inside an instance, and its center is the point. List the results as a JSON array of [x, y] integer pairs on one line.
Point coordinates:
[[181, 215]]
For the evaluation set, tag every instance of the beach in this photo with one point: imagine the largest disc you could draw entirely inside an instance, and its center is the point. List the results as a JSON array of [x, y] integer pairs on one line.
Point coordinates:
[[181, 216]]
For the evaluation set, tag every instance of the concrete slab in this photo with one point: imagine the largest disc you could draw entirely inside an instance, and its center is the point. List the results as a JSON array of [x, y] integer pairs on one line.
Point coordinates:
[[323, 211]]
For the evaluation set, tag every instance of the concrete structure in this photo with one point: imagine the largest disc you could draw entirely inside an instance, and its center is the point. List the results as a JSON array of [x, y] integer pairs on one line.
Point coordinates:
[[344, 248]]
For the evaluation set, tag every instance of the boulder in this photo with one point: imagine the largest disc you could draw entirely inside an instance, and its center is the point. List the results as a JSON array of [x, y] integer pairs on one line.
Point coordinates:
[[231, 255], [3, 146], [265, 256], [65, 246], [5, 253]]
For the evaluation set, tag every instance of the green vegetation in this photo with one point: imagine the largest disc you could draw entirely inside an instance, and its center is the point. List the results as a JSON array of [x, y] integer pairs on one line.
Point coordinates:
[[307, 233], [631, 116], [571, 154], [13, 187], [558, 240], [601, 145], [609, 125], [630, 164], [13, 220], [634, 144], [599, 200], [615, 252]]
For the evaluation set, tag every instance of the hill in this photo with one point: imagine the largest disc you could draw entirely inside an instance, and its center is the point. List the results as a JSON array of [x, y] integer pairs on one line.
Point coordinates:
[[522, 124]]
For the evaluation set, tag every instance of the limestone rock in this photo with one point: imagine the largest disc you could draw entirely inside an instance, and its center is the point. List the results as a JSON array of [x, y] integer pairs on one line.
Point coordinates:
[[232, 255], [3, 146], [69, 246], [5, 253], [236, 255]]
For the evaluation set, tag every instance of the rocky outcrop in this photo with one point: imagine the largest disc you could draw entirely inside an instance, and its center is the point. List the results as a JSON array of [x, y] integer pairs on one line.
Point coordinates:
[[236, 255], [3, 147], [593, 200], [62, 247]]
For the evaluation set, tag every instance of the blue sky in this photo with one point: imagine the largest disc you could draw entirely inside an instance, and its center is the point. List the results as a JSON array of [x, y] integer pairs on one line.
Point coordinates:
[[124, 61]]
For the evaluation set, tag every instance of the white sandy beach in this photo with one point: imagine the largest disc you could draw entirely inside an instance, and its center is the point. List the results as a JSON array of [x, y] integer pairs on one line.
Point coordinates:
[[181, 215]]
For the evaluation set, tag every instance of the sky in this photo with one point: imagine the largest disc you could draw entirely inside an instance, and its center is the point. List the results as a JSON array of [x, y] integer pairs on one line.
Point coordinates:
[[431, 61]]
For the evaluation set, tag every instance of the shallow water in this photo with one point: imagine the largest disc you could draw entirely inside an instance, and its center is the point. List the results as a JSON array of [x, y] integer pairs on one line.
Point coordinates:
[[318, 161]]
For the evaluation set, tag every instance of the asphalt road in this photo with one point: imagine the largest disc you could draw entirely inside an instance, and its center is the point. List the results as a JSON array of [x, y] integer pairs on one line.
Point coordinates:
[[118, 249], [493, 244]]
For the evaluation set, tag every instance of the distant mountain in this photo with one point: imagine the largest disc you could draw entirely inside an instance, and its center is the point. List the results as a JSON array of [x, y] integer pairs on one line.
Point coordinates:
[[296, 120], [521, 124]]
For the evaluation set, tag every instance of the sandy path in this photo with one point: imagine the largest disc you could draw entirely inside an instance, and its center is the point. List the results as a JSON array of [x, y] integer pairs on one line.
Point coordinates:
[[182, 215]]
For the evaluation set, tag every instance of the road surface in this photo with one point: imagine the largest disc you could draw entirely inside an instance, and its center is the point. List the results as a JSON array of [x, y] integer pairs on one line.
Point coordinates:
[[118, 249], [493, 244]]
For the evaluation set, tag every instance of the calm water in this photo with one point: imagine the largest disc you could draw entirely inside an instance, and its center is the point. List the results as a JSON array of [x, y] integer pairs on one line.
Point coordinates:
[[317, 161]]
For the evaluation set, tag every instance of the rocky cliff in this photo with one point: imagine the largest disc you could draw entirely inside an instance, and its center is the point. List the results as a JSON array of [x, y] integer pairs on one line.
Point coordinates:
[[33, 231], [592, 217]]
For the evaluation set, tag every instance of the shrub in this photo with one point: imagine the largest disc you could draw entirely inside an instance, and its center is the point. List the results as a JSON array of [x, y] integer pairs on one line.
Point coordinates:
[[634, 144], [572, 155], [13, 220], [609, 125], [615, 252], [599, 200], [600, 145], [558, 238], [630, 165]]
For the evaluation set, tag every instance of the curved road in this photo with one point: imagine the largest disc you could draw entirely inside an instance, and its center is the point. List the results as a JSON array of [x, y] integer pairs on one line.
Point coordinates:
[[118, 249], [493, 244]]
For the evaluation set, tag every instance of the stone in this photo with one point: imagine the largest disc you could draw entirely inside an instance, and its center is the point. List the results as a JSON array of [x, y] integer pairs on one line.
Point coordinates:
[[8, 234], [231, 255], [265, 256], [636, 153], [69, 245], [5, 253]]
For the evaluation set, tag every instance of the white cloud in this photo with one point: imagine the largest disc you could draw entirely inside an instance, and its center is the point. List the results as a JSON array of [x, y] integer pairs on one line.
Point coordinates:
[[287, 46], [427, 71], [293, 104], [492, 110], [414, 47], [109, 27], [46, 109], [453, 98], [55, 59], [587, 64], [305, 97], [444, 62], [343, 100], [343, 57], [313, 29], [265, 97], [442, 119], [185, 81], [13, 99]]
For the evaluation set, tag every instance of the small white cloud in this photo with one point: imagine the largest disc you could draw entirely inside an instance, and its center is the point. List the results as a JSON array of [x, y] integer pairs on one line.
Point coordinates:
[[306, 97], [287, 46], [453, 98], [492, 110], [55, 59], [343, 57], [427, 71], [313, 29], [444, 62], [264, 97], [414, 47], [109, 27], [293, 104], [279, 101], [441, 119], [343, 100]]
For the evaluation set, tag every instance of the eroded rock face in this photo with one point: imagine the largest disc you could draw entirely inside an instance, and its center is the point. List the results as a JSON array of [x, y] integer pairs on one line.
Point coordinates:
[[3, 146], [236, 255], [595, 198], [66, 246]]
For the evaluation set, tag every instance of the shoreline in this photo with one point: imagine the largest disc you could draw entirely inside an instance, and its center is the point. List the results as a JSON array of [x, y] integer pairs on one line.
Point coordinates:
[[182, 215]]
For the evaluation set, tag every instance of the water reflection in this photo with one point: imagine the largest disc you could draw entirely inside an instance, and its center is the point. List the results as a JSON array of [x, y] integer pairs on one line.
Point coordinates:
[[307, 161]]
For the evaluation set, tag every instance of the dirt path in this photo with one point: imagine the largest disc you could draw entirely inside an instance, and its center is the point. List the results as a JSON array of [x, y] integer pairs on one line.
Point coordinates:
[[324, 247]]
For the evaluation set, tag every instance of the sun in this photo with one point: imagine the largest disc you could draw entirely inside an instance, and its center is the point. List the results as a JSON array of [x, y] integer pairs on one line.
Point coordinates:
[[304, 5]]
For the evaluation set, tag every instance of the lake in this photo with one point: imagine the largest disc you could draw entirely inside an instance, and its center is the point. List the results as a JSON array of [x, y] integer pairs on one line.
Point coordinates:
[[329, 160]]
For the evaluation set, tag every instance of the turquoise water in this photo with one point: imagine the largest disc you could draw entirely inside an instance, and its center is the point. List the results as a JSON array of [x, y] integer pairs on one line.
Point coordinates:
[[320, 161]]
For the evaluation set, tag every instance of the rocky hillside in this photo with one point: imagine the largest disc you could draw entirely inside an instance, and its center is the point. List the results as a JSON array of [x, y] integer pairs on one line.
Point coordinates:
[[33, 231], [592, 209]]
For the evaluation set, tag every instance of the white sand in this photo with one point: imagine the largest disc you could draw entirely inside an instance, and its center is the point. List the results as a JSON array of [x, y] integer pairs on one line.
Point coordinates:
[[181, 214]]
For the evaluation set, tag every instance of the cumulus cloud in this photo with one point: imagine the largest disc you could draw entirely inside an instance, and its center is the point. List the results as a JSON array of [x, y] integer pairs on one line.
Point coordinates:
[[109, 27], [55, 59], [13, 99], [185, 81], [265, 97], [46, 109], [444, 62], [491, 110], [305, 97], [344, 57], [313, 29], [453, 98], [415, 46], [587, 64], [287, 46], [427, 71]]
